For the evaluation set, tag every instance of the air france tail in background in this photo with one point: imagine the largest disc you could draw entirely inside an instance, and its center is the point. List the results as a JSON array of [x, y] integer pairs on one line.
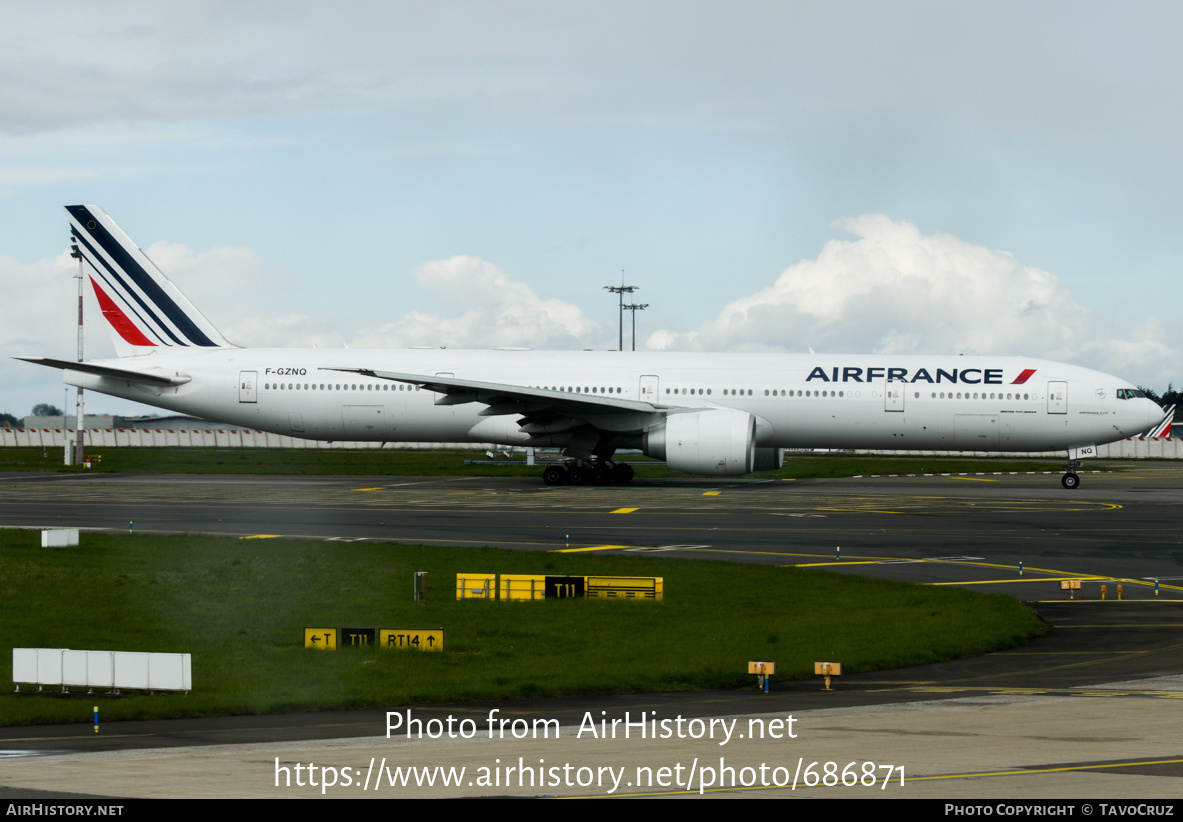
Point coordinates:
[[1163, 429], [143, 309]]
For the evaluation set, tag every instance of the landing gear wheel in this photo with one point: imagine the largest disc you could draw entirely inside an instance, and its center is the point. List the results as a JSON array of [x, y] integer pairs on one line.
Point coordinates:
[[1070, 481], [622, 473], [578, 475], [555, 475]]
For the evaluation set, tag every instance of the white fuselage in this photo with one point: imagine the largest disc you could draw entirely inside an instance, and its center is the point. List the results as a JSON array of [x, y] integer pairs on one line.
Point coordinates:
[[799, 401]]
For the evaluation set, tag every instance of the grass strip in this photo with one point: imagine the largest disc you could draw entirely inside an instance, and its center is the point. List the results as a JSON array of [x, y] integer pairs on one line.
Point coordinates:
[[240, 606]]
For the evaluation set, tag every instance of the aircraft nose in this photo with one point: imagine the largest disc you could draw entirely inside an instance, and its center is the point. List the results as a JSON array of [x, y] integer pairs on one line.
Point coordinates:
[[1154, 414]]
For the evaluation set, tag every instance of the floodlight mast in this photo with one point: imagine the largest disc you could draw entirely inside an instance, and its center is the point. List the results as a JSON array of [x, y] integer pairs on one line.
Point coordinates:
[[622, 289], [635, 307], [79, 446]]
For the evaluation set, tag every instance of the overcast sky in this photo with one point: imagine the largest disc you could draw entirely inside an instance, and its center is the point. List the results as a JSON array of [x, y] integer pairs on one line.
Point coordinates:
[[852, 177]]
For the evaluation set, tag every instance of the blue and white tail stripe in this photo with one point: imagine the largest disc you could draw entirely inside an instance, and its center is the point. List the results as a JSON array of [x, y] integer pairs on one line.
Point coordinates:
[[134, 292]]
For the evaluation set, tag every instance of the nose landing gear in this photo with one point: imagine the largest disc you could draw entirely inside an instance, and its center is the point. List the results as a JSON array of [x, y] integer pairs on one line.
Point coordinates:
[[1071, 480]]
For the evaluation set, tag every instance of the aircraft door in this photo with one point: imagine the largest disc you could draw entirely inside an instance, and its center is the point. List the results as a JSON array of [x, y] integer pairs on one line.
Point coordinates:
[[648, 388], [247, 383], [1057, 398], [893, 395]]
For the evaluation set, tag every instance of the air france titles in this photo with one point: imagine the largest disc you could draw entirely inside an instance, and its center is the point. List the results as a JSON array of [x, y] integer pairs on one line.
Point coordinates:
[[968, 376]]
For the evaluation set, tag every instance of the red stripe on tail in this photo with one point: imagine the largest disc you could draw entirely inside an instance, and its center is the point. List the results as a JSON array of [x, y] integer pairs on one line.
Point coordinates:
[[119, 321]]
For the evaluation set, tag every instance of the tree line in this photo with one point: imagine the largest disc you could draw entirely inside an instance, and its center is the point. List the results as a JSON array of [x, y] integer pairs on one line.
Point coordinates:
[[43, 409]]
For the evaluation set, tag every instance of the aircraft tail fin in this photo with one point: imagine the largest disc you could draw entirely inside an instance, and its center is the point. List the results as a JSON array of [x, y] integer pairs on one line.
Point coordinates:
[[143, 309]]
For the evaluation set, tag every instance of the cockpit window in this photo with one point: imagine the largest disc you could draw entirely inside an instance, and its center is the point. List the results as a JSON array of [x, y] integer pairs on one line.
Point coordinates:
[[1129, 393]]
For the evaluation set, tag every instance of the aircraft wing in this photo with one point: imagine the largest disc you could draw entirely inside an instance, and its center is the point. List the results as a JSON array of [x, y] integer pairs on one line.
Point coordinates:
[[157, 377], [512, 399]]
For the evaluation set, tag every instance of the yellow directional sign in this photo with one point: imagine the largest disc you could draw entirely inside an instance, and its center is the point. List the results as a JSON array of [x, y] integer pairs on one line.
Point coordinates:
[[523, 586], [476, 586], [625, 587], [411, 639], [536, 587], [323, 638]]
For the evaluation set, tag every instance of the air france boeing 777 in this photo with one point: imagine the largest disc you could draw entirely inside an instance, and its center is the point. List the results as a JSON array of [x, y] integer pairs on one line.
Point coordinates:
[[719, 414]]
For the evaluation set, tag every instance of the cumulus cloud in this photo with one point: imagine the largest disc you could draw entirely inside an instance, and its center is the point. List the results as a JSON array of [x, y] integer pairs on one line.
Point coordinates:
[[894, 290], [207, 276], [496, 311], [37, 308], [231, 285], [234, 288], [38, 317]]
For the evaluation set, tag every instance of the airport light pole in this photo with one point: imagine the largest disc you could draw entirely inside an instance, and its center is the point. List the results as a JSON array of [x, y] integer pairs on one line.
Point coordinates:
[[621, 289], [635, 307], [65, 436], [79, 448]]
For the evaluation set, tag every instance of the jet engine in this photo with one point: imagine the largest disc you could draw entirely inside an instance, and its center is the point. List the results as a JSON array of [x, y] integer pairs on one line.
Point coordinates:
[[718, 441]]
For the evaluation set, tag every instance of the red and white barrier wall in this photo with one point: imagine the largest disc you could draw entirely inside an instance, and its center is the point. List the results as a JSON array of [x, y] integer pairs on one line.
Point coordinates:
[[190, 438]]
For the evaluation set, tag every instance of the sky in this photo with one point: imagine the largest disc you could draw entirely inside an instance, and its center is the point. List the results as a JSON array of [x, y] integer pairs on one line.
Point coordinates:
[[895, 177]]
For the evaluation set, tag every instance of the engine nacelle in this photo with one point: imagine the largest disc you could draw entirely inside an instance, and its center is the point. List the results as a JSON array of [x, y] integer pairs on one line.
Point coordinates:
[[718, 441]]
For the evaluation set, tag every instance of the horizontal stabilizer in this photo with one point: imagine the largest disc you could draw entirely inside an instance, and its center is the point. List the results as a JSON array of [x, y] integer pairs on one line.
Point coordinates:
[[157, 376]]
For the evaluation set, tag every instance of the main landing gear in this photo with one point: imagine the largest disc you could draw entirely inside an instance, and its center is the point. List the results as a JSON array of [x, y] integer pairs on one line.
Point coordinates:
[[1070, 480], [589, 473]]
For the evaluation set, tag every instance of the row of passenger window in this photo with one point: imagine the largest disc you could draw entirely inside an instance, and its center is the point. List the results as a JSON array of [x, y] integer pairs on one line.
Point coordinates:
[[747, 392], [280, 386], [577, 390], [966, 395], [812, 393], [727, 392]]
